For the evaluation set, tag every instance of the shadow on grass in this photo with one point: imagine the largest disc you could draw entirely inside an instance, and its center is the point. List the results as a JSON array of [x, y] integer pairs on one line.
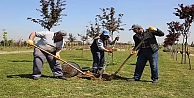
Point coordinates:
[[86, 68], [117, 77], [26, 76], [82, 59], [20, 60], [133, 64], [144, 81], [105, 76]]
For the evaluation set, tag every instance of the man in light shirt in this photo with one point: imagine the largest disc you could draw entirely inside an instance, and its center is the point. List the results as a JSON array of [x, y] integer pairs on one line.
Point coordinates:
[[51, 42]]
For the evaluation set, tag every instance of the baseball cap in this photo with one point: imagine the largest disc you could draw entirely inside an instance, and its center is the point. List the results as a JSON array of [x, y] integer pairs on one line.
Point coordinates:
[[105, 32], [135, 26], [62, 33]]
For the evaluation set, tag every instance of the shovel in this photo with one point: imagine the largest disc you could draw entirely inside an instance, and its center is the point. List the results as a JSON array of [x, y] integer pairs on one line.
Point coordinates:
[[58, 58], [135, 49]]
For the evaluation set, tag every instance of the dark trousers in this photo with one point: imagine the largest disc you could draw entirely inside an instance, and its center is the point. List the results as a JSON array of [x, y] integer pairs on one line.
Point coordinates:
[[98, 60], [145, 55]]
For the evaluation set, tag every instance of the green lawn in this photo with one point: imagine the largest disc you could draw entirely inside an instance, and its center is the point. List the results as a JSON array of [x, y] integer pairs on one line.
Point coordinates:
[[176, 80]]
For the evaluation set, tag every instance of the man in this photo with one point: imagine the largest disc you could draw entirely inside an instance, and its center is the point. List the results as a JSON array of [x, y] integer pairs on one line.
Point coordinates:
[[51, 42], [148, 51], [98, 48]]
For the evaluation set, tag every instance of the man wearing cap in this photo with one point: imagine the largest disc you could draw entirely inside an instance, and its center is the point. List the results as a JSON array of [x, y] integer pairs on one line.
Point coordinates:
[[148, 51], [51, 42], [98, 48]]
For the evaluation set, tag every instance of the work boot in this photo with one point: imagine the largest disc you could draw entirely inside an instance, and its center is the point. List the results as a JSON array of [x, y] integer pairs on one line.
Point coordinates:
[[155, 81], [61, 77], [95, 71], [36, 78]]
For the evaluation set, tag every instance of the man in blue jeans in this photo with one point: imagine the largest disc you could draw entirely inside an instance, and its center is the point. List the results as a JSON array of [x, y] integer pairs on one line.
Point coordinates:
[[148, 51]]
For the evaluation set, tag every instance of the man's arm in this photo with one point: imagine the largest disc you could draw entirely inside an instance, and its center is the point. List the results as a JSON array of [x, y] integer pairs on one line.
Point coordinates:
[[100, 46], [156, 31], [32, 36], [112, 42]]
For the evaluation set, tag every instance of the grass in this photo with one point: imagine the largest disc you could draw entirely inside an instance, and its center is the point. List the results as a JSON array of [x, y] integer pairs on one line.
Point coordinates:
[[16, 48], [176, 80]]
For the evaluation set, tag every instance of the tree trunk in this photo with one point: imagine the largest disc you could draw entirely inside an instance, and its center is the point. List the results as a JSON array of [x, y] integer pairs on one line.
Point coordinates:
[[83, 49], [176, 50], [185, 49], [172, 51], [182, 51], [112, 52], [190, 66]]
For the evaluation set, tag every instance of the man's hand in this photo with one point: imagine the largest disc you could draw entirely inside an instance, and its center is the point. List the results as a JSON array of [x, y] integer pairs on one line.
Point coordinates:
[[110, 51], [133, 52], [58, 56], [152, 28], [30, 42], [117, 38]]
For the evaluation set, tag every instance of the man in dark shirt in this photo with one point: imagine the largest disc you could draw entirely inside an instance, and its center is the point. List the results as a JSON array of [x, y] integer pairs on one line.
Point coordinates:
[[147, 51], [98, 47]]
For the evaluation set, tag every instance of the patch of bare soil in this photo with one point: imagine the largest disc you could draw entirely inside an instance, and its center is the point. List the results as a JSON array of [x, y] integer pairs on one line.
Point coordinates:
[[69, 72], [96, 77]]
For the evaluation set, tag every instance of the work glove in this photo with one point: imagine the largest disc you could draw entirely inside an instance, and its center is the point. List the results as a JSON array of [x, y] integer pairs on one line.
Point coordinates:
[[110, 51], [117, 38], [58, 56], [30, 42], [133, 52], [151, 28]]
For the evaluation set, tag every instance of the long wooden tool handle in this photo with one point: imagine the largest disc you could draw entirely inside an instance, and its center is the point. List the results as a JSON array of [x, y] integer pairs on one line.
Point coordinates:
[[135, 49], [59, 59], [106, 63], [122, 65]]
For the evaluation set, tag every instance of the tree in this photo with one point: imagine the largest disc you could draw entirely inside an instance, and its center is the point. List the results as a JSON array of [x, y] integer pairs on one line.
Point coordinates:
[[5, 38], [174, 29], [187, 14], [192, 44], [83, 38], [10, 43], [109, 22], [51, 13], [93, 30], [71, 39]]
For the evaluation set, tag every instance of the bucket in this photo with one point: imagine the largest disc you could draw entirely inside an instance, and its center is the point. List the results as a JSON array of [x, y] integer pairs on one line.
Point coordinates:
[[69, 71]]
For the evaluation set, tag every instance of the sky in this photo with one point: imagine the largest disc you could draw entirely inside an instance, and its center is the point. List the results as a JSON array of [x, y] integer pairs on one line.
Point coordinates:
[[80, 13]]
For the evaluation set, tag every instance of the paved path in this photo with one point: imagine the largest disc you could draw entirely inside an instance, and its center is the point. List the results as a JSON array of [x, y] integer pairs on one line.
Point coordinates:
[[191, 54], [14, 52]]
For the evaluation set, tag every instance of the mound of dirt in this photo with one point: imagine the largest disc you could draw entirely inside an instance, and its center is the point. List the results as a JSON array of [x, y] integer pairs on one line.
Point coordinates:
[[69, 72], [96, 77]]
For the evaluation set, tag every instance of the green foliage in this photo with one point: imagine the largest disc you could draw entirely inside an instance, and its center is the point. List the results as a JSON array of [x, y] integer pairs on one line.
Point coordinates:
[[176, 80]]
